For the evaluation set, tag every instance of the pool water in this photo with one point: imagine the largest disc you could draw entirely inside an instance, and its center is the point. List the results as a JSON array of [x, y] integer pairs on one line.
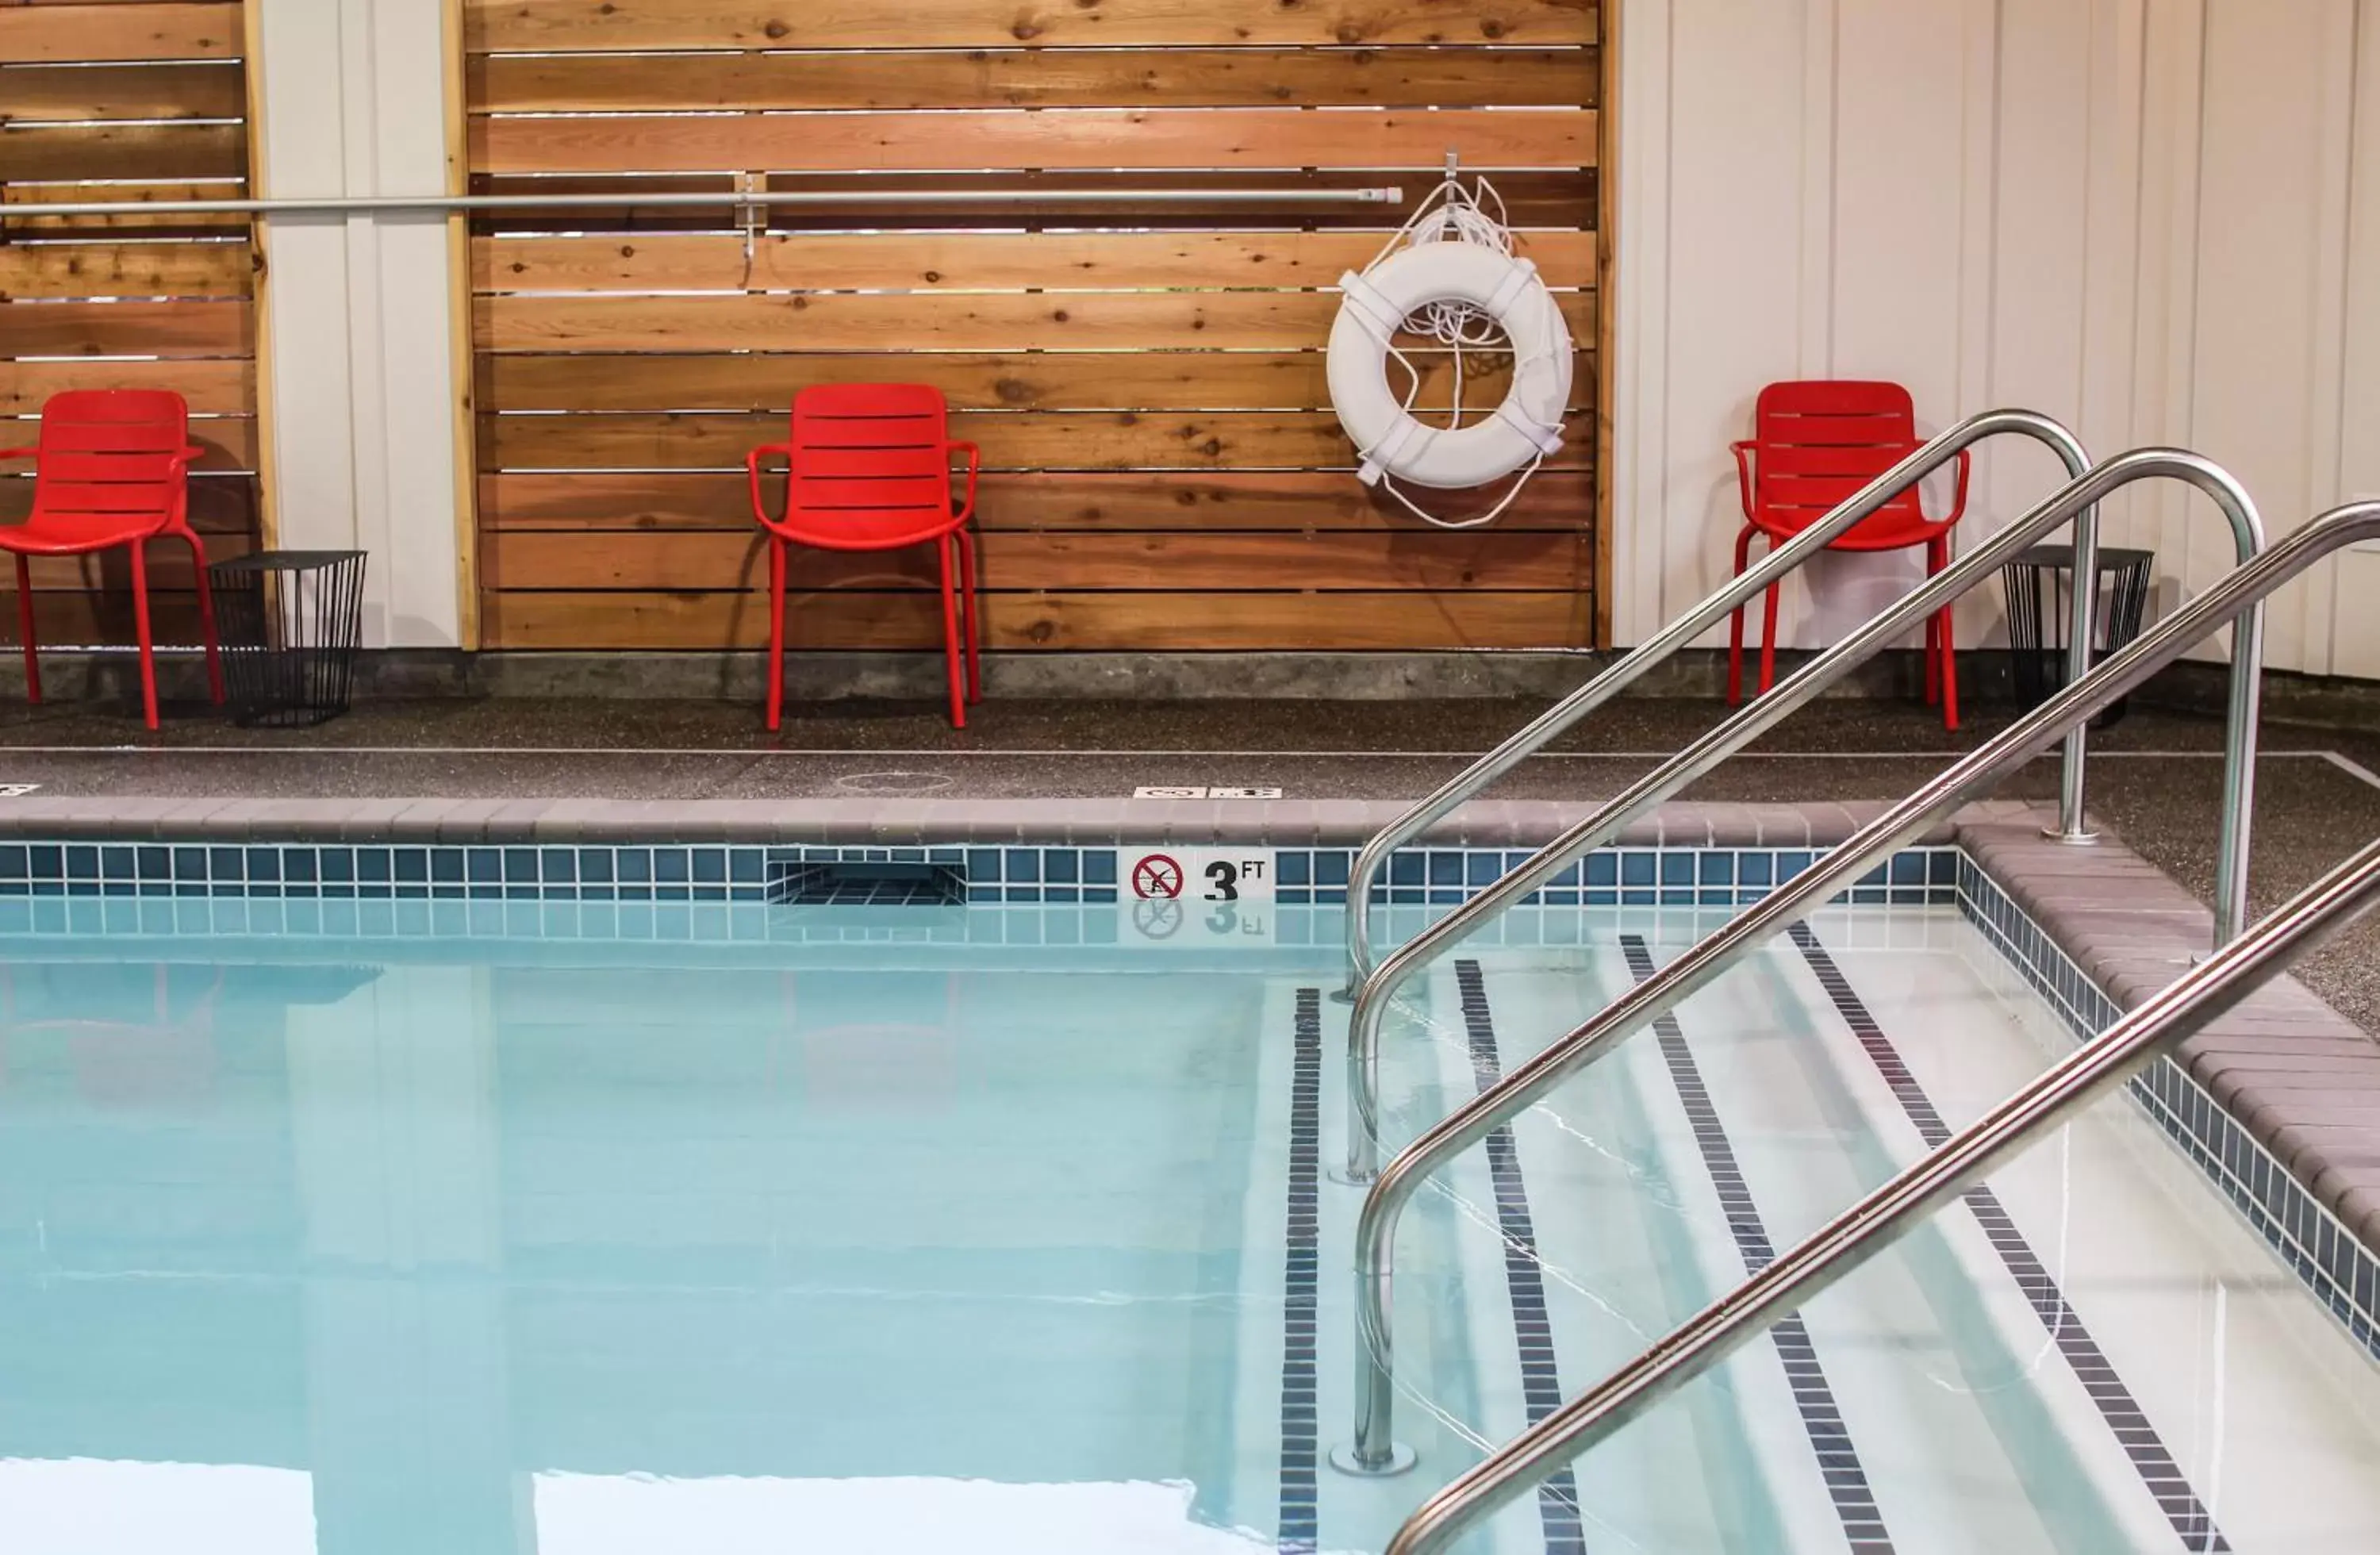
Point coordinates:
[[875, 1245]]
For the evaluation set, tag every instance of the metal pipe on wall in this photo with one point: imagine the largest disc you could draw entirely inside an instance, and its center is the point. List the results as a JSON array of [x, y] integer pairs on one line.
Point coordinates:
[[445, 204]]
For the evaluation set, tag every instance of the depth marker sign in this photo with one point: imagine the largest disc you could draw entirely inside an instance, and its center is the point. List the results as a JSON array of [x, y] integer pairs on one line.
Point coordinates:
[[1202, 874], [1157, 878]]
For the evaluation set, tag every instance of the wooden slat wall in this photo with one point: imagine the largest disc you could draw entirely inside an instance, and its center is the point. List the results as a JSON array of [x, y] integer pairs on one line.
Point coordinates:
[[1147, 385], [115, 101]]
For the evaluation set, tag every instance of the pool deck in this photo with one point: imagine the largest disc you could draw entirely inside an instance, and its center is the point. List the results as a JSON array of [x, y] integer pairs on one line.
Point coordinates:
[[860, 763]]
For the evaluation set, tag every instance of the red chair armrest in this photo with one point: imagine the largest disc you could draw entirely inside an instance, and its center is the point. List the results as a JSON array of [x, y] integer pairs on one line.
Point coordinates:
[[974, 470], [19, 453], [1743, 449], [752, 468], [1959, 494]]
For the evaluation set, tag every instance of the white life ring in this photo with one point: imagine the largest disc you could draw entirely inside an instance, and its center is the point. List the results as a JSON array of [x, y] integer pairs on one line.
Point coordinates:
[[1527, 427]]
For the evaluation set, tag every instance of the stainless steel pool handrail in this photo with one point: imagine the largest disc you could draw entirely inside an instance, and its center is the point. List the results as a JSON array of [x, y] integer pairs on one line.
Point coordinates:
[[1737, 592], [2240, 592], [1867, 1228], [1710, 750]]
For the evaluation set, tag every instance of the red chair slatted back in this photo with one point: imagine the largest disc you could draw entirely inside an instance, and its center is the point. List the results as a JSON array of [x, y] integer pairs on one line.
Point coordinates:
[[1819, 443], [871, 464], [108, 453]]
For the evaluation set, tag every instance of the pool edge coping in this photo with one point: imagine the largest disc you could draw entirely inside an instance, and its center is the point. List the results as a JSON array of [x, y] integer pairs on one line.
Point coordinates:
[[915, 822]]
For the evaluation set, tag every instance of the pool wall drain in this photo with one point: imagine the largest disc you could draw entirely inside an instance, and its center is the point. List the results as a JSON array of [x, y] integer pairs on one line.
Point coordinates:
[[866, 883]]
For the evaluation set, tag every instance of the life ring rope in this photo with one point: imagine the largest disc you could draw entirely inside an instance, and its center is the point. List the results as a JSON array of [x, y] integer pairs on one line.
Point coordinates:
[[1475, 288]]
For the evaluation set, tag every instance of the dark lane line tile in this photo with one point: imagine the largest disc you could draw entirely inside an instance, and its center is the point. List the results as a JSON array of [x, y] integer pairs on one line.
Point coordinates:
[[1822, 1419], [2161, 1475]]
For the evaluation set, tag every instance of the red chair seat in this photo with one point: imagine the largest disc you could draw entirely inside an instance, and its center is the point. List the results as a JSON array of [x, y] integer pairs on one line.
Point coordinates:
[[1815, 445], [868, 468], [111, 471]]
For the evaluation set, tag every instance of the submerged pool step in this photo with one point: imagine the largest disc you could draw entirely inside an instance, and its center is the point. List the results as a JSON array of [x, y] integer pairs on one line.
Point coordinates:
[[1959, 1448]]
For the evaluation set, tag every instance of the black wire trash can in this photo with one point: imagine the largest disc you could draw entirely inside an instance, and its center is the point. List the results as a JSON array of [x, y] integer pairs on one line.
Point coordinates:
[[2040, 588], [292, 625]]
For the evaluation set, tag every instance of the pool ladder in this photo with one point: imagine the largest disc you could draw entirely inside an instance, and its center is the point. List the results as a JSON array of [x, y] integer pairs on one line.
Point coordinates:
[[2200, 997], [1373, 986], [1373, 1449]]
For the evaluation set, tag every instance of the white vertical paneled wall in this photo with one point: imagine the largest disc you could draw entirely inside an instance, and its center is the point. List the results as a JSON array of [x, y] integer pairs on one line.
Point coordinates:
[[359, 354], [2157, 220]]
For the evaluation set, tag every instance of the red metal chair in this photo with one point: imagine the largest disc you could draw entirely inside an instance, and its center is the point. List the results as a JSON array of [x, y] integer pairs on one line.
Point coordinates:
[[111, 469], [871, 470], [1814, 445]]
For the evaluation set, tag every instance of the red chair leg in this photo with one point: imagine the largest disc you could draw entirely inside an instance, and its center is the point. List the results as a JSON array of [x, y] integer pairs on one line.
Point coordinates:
[[140, 624], [1932, 661], [776, 633], [1735, 621], [1769, 640], [947, 549], [1949, 672], [971, 601], [25, 625], [1943, 664], [207, 620]]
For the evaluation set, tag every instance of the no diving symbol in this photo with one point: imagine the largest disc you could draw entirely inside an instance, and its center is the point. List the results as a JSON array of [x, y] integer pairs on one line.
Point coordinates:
[[1157, 878]]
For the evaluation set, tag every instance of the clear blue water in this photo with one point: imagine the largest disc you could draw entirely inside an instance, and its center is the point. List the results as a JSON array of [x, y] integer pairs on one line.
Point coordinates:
[[889, 1246], [384, 1253]]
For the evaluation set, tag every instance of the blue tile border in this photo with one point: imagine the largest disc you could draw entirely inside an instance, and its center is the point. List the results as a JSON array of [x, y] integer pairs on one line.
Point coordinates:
[[713, 872], [2327, 1257], [1622, 877]]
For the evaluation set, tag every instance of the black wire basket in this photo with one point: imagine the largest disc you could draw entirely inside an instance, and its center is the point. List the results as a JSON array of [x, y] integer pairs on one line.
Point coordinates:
[[292, 626], [2041, 609]]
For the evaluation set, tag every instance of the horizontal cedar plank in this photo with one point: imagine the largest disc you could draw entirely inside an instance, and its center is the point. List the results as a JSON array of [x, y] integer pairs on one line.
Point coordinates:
[[1543, 198], [53, 153], [555, 26], [928, 321], [229, 442], [1051, 138], [1039, 380], [127, 92], [1235, 78], [18, 204], [960, 261], [40, 34], [127, 329], [1108, 621], [226, 387], [1056, 561], [1025, 440], [111, 571], [1225, 501], [224, 504], [71, 270], [101, 619]]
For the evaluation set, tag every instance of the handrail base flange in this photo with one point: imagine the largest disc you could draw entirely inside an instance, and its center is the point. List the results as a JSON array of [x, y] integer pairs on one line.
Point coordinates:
[[2084, 837], [1400, 1459]]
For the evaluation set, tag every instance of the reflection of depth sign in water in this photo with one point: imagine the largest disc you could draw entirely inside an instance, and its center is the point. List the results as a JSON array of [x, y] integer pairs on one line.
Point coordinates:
[[1157, 918], [1157, 878]]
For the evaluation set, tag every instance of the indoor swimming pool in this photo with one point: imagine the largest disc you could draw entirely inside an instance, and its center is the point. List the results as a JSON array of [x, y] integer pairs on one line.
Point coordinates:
[[1009, 1228]]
